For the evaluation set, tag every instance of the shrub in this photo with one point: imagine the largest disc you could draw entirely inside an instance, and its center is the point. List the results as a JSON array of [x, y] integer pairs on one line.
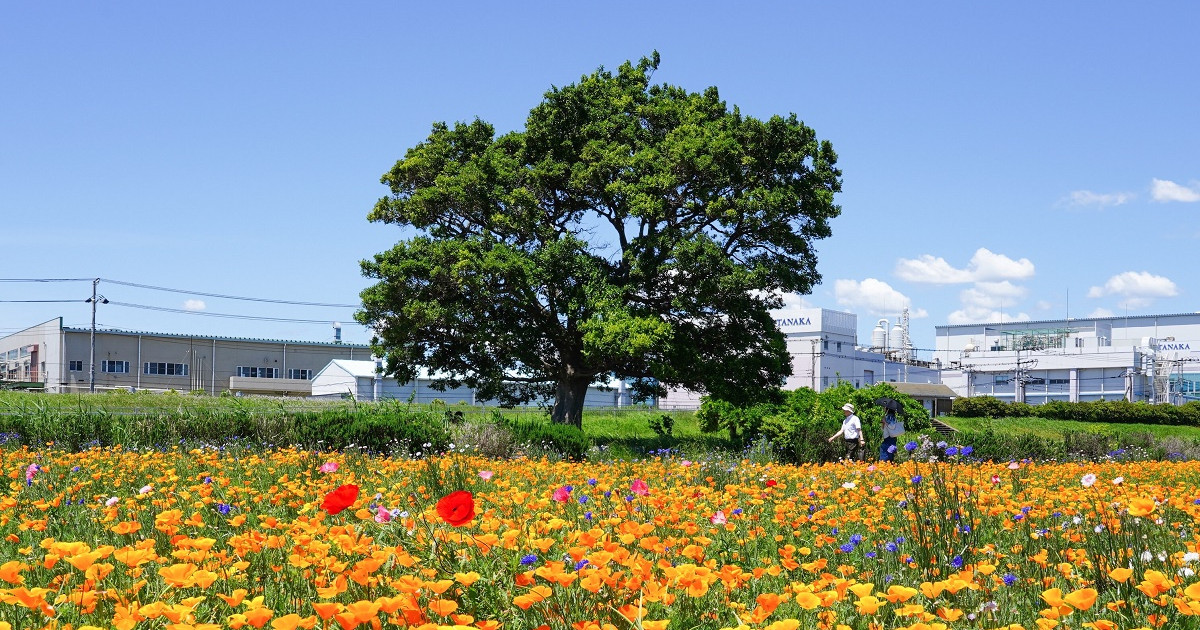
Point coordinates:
[[562, 440]]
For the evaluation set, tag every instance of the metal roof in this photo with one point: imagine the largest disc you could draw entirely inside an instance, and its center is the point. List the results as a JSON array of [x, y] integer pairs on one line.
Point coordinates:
[[118, 331], [1074, 320], [925, 390]]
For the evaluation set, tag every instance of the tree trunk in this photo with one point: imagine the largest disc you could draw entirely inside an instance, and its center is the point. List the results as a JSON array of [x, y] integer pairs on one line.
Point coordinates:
[[568, 401]]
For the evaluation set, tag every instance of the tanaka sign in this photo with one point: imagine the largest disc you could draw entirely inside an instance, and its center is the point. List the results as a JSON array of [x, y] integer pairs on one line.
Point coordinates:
[[793, 321]]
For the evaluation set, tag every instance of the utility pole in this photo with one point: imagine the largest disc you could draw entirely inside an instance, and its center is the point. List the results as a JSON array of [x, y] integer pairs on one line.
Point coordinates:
[[92, 356]]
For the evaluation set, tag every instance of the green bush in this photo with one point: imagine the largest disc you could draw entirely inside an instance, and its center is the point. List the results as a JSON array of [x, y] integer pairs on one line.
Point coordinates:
[[560, 440]]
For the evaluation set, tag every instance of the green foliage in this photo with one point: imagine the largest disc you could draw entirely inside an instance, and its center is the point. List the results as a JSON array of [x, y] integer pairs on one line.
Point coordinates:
[[1110, 411], [662, 425], [704, 215], [799, 422], [558, 440]]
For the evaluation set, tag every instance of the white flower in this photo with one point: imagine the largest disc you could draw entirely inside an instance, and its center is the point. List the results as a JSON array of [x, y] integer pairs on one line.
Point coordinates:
[[1118, 481], [1147, 556], [112, 501], [146, 488], [1191, 556], [849, 485], [1186, 572], [1088, 480]]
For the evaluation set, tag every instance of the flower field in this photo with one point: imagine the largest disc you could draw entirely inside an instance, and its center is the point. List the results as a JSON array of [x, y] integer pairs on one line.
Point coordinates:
[[283, 539]]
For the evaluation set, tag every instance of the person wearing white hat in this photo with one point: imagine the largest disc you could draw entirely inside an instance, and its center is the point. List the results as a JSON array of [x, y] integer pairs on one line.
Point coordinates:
[[852, 433]]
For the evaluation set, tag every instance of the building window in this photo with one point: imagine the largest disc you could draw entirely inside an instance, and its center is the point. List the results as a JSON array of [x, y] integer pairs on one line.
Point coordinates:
[[258, 372], [839, 346], [1060, 381], [165, 369], [114, 367], [1003, 380], [75, 366], [305, 375], [824, 344]]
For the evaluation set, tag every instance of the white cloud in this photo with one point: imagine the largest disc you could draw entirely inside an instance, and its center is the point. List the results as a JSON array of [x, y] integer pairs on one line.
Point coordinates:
[[1043, 305], [1101, 312], [984, 266], [980, 315], [194, 305], [1165, 190], [875, 296], [1138, 288], [1089, 198]]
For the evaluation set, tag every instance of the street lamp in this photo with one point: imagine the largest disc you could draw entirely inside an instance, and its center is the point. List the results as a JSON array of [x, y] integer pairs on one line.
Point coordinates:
[[95, 299]]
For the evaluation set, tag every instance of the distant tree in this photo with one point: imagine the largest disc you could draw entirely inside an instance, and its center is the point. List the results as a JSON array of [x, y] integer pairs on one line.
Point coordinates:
[[632, 230]]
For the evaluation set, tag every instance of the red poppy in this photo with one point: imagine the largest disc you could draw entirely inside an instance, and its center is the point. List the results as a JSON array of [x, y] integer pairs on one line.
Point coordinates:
[[457, 508], [771, 483], [340, 499]]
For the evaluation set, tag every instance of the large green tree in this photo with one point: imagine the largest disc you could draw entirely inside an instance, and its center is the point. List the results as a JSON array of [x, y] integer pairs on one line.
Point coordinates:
[[632, 230]]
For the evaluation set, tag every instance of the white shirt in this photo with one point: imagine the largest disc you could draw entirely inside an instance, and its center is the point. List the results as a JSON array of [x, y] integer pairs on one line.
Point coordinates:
[[851, 427]]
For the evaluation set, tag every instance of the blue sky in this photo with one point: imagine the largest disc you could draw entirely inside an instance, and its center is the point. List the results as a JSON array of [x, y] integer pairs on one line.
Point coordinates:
[[1033, 159]]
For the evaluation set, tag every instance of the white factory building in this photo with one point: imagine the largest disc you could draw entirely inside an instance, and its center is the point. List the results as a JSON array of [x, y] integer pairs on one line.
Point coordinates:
[[1152, 358], [825, 351]]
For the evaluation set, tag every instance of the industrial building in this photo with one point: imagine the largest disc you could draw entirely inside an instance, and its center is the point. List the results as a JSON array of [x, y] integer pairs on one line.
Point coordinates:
[[56, 358], [1152, 358], [825, 351], [361, 380]]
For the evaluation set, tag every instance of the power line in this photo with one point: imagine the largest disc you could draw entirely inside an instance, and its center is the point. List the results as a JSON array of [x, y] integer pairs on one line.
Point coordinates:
[[227, 315], [36, 301], [229, 297], [46, 279]]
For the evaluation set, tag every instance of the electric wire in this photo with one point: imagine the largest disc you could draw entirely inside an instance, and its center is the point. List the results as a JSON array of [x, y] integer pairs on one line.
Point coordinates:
[[226, 297]]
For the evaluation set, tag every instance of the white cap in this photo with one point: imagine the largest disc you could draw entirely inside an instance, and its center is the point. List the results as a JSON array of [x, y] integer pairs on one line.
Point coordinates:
[[848, 407]]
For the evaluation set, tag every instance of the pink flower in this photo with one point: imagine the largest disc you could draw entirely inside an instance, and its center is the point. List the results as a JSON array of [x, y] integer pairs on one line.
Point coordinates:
[[145, 489], [112, 501], [995, 479], [1088, 480], [30, 472], [486, 474], [1014, 466], [685, 463], [639, 488], [718, 518], [382, 515], [561, 495], [328, 467]]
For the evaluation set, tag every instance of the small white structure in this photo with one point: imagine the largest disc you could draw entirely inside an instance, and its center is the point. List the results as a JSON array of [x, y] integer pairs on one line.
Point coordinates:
[[362, 380]]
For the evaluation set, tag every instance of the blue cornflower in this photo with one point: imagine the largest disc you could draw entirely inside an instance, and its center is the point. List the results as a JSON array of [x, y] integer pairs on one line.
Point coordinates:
[[588, 516], [583, 499], [847, 548], [570, 488], [582, 563], [870, 554], [856, 539], [891, 449], [739, 510], [592, 482], [917, 479], [1009, 579], [208, 480], [75, 469], [910, 447], [224, 508], [899, 540], [956, 562], [951, 451], [1017, 517], [891, 547], [967, 450], [903, 504], [529, 559], [833, 531]]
